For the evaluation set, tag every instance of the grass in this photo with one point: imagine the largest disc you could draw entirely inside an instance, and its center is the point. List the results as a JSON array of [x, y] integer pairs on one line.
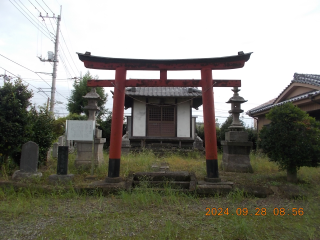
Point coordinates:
[[32, 213]]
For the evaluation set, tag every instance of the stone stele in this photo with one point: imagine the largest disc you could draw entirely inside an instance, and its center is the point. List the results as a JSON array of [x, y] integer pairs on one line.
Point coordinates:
[[28, 162]]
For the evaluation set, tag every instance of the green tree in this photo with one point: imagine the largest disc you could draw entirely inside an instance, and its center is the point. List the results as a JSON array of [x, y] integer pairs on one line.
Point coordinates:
[[76, 102], [14, 119], [200, 132], [292, 139], [42, 126]]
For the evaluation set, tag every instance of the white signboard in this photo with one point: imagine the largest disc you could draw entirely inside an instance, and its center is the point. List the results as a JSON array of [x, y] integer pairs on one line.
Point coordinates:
[[80, 130]]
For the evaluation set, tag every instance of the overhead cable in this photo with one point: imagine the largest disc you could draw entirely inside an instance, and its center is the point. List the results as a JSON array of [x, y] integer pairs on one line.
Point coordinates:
[[69, 51], [47, 7], [30, 20], [25, 81], [33, 72], [66, 59]]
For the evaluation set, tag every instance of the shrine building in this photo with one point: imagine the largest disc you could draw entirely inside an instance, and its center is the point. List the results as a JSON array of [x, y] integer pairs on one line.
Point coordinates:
[[162, 115]]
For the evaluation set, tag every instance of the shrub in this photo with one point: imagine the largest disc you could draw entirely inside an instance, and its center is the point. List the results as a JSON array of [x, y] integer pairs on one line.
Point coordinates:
[[292, 139], [42, 132], [14, 121]]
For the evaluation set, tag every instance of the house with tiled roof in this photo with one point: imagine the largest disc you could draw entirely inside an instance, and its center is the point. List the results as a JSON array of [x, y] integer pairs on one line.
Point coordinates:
[[303, 91], [162, 115]]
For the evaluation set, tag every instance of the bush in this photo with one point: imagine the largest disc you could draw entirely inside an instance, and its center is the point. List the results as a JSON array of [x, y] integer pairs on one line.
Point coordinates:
[[14, 121], [292, 139], [42, 132], [200, 133]]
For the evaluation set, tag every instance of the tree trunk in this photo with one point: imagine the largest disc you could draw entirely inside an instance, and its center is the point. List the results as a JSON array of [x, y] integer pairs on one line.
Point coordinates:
[[292, 175]]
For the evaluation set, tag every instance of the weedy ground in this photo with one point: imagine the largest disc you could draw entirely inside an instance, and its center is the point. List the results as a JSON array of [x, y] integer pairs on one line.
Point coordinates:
[[30, 213]]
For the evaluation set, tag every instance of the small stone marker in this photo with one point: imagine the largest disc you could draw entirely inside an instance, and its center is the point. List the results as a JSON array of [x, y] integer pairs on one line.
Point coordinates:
[[61, 140], [28, 162], [55, 150], [62, 175], [29, 157], [62, 166]]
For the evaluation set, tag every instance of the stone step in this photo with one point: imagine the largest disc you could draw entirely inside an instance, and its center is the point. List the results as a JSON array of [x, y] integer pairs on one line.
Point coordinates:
[[212, 189], [162, 176], [163, 184]]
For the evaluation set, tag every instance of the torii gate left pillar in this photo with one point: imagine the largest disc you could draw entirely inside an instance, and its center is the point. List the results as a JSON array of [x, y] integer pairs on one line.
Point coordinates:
[[205, 65]]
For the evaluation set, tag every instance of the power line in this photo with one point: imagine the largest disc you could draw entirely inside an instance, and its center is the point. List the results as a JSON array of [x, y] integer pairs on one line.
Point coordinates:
[[60, 79], [25, 68], [64, 65], [35, 17], [69, 51], [51, 24], [42, 7], [30, 20], [67, 60], [33, 72], [48, 7], [26, 82], [66, 69]]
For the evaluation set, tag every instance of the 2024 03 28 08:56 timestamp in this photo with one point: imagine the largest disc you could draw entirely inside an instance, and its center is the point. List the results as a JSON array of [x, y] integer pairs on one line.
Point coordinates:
[[256, 212]]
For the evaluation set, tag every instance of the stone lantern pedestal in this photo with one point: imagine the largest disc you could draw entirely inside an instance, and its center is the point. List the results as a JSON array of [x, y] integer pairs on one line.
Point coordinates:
[[236, 147], [84, 148]]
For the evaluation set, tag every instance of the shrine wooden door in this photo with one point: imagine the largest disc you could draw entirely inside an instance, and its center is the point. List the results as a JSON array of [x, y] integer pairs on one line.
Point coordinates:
[[161, 121]]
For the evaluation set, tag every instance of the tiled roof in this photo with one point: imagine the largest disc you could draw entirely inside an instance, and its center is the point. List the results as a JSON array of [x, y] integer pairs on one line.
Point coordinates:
[[297, 78], [266, 104], [311, 79], [163, 92]]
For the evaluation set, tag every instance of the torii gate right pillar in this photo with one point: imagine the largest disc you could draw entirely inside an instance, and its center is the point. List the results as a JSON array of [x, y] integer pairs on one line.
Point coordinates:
[[209, 125]]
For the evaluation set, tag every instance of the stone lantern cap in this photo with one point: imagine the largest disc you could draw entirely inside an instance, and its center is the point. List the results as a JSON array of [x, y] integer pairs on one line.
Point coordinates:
[[236, 98], [92, 94], [92, 98]]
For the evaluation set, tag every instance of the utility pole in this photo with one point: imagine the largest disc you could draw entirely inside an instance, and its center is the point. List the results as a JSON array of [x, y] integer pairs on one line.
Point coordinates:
[[54, 60]]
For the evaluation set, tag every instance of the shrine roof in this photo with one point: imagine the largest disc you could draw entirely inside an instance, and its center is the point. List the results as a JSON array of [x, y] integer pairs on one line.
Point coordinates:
[[229, 62], [310, 79], [163, 92]]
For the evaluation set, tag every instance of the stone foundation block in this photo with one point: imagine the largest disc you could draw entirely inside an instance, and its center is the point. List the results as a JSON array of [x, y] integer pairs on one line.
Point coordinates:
[[19, 175]]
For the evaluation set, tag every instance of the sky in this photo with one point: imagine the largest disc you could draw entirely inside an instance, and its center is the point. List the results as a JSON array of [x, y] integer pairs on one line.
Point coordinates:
[[283, 36]]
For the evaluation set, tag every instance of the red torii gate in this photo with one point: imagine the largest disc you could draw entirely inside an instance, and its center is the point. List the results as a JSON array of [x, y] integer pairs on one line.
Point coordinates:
[[205, 65]]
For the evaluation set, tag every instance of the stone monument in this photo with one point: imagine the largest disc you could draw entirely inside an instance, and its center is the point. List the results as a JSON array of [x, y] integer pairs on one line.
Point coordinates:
[[55, 150], [236, 147], [125, 143], [198, 143], [84, 148], [62, 167], [61, 140], [28, 162]]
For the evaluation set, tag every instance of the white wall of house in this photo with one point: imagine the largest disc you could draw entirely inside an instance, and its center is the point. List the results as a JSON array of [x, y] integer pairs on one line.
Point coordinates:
[[139, 118], [183, 118]]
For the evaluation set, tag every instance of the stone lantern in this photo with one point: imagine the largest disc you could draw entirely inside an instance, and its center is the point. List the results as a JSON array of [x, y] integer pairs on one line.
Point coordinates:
[[84, 148], [236, 147], [92, 106], [236, 101]]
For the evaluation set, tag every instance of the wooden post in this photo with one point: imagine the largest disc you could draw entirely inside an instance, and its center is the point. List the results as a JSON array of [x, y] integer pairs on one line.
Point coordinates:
[[209, 124], [117, 123]]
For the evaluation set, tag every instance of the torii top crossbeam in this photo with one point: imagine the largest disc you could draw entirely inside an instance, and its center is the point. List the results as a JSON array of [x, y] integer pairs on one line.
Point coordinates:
[[220, 63], [205, 65]]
